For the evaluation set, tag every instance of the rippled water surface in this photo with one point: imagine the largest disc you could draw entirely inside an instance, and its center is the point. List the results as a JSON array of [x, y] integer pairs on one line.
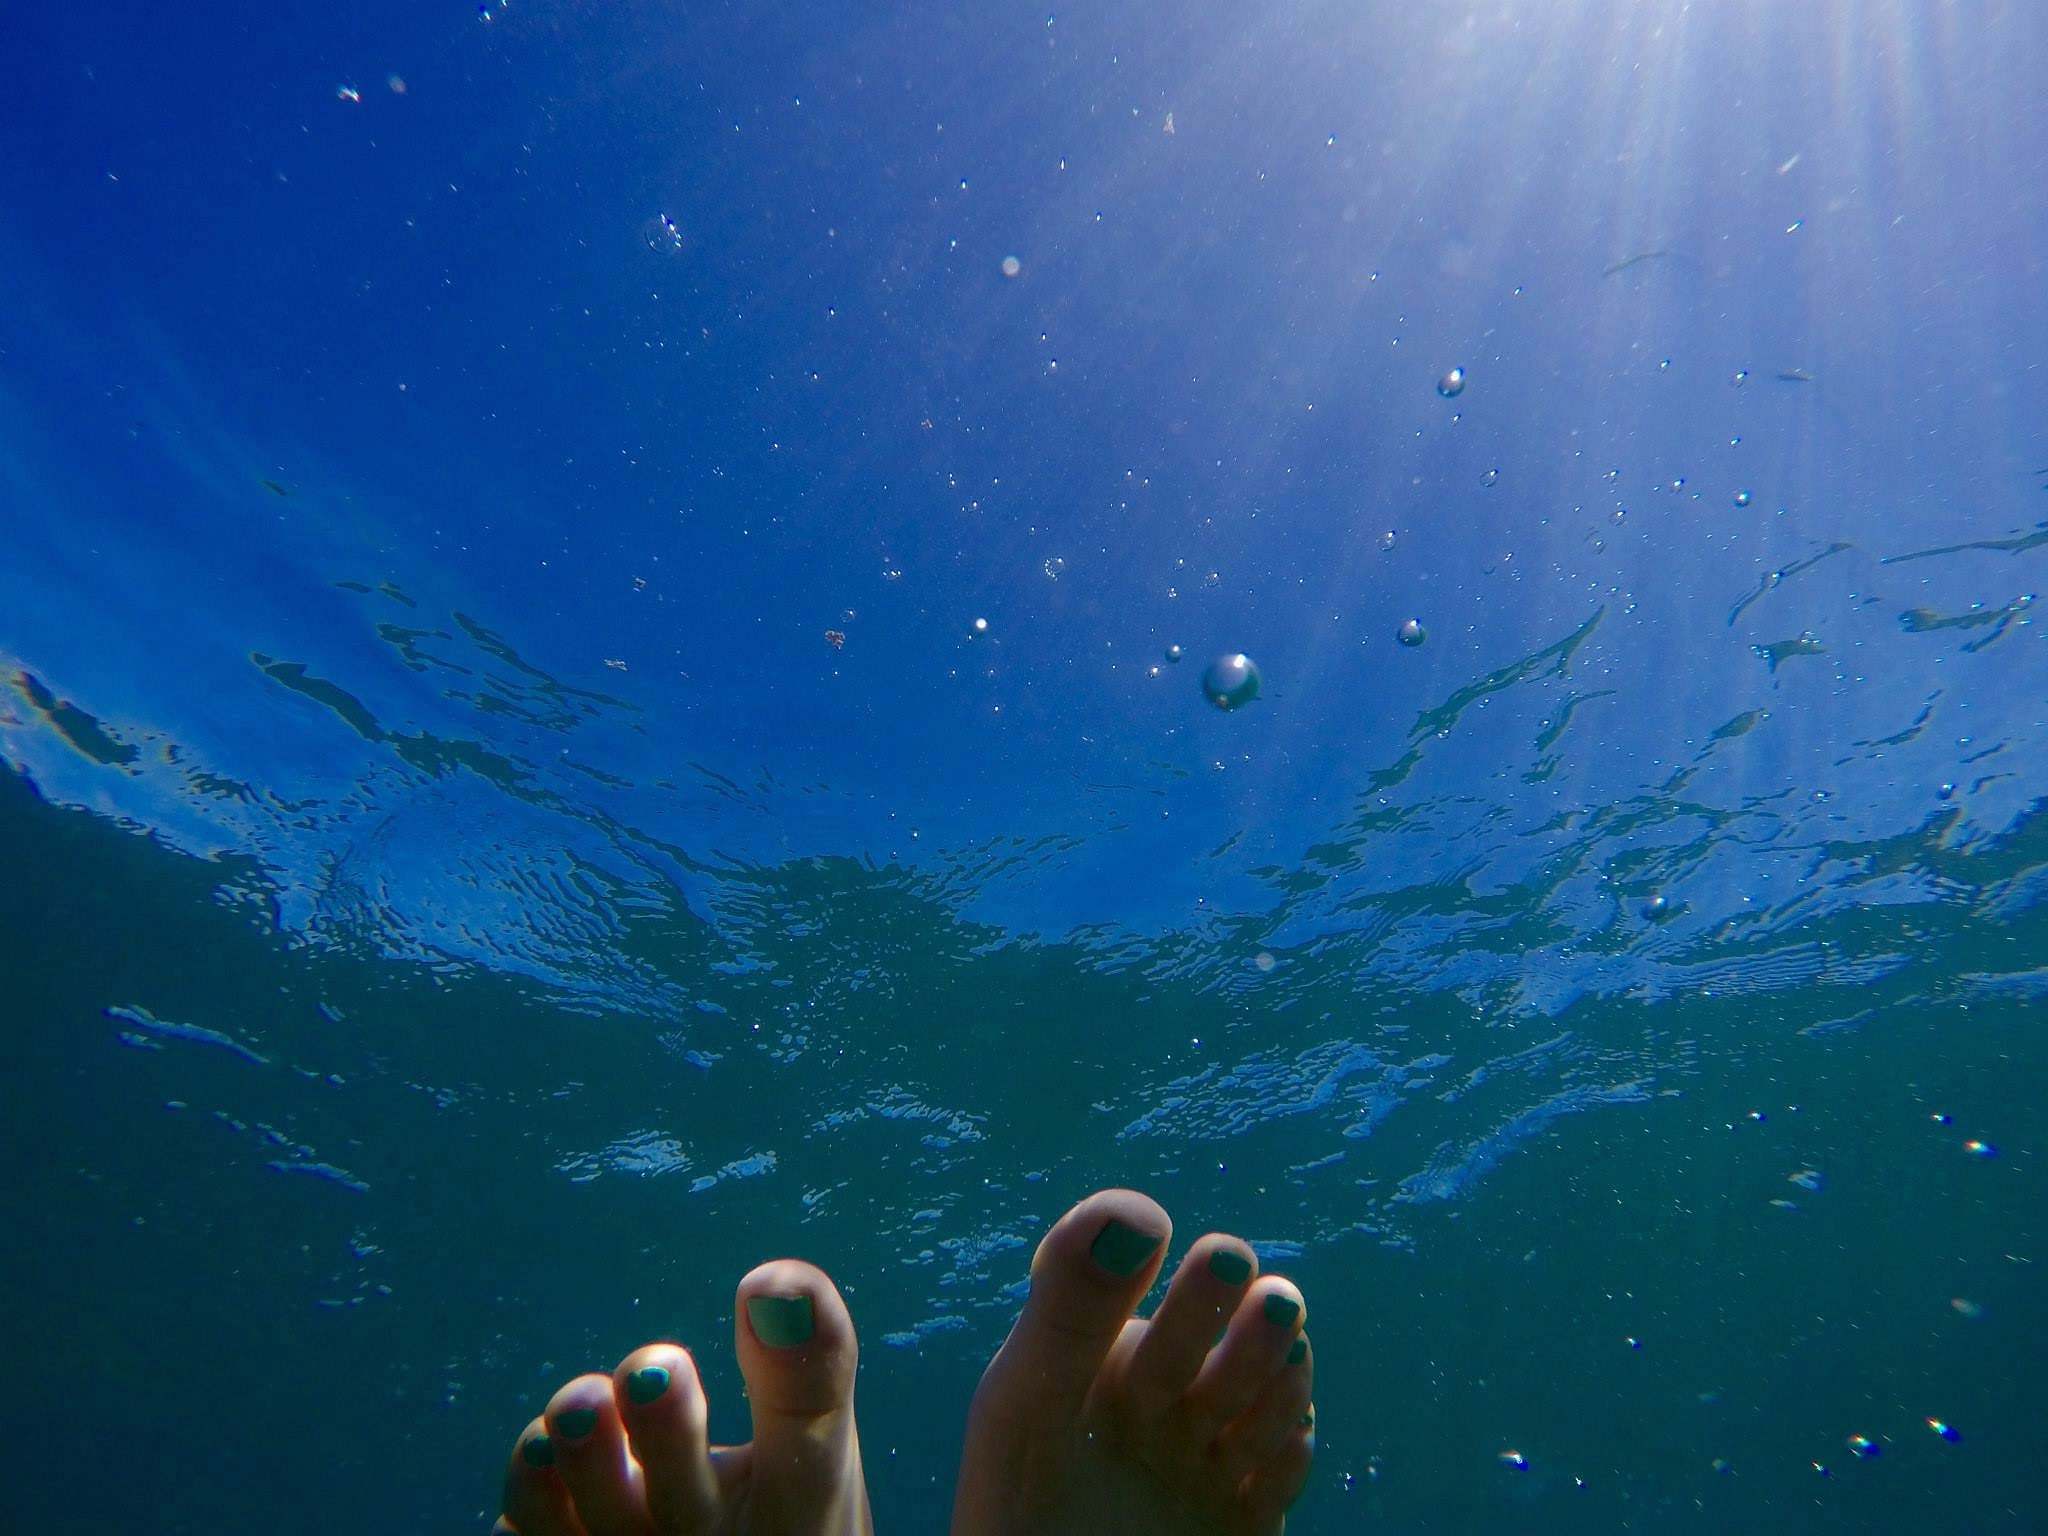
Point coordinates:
[[602, 636]]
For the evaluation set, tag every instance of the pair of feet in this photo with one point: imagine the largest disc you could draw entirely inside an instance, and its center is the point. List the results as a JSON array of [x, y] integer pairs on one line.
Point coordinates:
[[1089, 1419]]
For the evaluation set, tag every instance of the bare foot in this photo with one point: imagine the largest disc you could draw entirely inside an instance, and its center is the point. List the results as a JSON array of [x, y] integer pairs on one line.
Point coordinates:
[[1090, 1420], [627, 1454]]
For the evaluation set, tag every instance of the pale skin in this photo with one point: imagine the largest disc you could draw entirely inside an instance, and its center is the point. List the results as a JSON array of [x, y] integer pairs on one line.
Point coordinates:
[[1088, 1419]]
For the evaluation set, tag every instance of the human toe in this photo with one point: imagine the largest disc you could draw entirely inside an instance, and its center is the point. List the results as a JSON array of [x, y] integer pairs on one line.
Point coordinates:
[[1204, 1294], [1262, 1333], [536, 1501], [591, 1457], [661, 1403], [1280, 1412], [798, 1353]]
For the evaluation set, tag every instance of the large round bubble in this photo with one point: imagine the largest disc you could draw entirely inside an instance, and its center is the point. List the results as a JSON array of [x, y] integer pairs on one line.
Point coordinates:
[[1231, 682]]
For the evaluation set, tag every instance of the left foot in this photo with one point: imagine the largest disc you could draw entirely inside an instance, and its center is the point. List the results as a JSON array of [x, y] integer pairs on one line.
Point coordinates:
[[628, 1455]]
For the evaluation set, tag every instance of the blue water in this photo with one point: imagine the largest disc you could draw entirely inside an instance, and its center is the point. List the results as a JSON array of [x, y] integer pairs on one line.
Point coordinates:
[[585, 617]]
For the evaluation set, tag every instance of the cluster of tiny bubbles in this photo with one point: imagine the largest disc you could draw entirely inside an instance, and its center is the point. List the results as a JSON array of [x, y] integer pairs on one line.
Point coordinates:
[[1742, 498], [1012, 266], [1174, 652], [1411, 633], [1231, 681], [662, 235], [1452, 384], [1054, 568]]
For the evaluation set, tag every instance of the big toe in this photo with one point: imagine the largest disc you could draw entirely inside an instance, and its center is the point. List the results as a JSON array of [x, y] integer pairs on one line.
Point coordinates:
[[798, 1353], [1087, 1278]]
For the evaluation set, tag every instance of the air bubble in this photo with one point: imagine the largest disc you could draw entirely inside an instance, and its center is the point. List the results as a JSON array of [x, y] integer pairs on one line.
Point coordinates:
[[662, 235], [1231, 681]]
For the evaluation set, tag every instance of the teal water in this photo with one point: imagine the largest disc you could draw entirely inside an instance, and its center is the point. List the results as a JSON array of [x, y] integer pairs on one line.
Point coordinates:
[[324, 1259], [602, 616]]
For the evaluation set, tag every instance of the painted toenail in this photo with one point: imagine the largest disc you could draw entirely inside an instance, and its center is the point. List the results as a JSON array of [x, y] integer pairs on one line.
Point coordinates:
[[1122, 1249], [1297, 1352], [575, 1423], [1230, 1266], [1306, 1420], [539, 1451], [780, 1321], [1281, 1311], [647, 1383]]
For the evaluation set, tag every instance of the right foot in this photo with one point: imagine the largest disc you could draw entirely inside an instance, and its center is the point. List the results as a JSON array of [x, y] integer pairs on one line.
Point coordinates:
[[1092, 1420]]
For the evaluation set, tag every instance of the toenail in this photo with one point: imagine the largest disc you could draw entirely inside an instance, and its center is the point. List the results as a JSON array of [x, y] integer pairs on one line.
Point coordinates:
[[575, 1423], [1122, 1249], [1230, 1266], [539, 1451], [1306, 1420], [1297, 1352], [1281, 1311], [647, 1383], [780, 1321]]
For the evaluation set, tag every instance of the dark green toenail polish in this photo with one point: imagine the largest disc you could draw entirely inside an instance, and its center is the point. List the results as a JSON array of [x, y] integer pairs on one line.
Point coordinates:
[[539, 1451], [1123, 1250], [780, 1321], [1230, 1266], [1297, 1352], [575, 1423], [1281, 1311], [647, 1383]]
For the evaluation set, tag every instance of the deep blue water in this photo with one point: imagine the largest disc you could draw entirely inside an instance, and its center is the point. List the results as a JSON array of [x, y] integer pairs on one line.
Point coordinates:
[[550, 759]]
